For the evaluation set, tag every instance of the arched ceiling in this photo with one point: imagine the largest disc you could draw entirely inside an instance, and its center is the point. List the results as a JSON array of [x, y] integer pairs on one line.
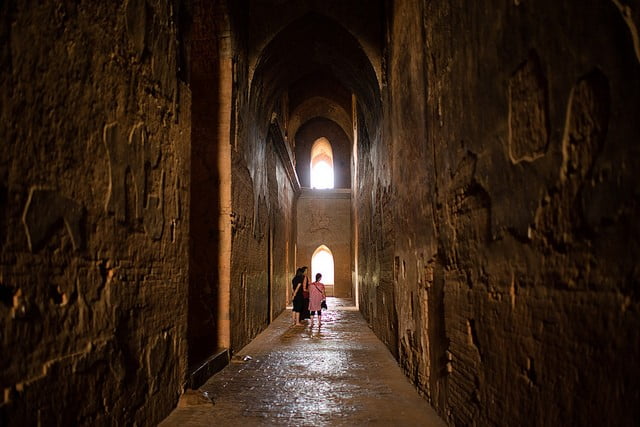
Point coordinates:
[[320, 107], [362, 18], [319, 64]]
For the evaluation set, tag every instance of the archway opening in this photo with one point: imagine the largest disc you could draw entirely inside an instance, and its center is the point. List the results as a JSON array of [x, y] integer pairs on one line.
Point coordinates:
[[322, 262], [321, 164]]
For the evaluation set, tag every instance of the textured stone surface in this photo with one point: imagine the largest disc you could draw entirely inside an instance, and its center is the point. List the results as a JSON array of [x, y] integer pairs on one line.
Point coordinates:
[[511, 145], [93, 247], [528, 112]]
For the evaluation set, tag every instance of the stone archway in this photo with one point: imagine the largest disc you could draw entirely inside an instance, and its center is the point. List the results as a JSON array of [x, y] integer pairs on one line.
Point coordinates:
[[322, 262]]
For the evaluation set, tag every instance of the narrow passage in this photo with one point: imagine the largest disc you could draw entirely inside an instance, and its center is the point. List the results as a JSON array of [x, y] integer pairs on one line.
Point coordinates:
[[333, 375]]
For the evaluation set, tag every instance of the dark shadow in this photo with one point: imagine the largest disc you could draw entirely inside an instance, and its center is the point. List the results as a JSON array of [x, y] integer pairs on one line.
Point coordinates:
[[314, 45], [204, 204]]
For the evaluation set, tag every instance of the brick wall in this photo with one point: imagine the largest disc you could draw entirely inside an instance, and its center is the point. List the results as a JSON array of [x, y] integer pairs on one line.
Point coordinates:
[[94, 125], [510, 133]]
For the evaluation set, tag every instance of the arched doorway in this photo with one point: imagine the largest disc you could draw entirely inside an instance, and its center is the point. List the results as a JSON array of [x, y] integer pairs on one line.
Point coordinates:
[[322, 262]]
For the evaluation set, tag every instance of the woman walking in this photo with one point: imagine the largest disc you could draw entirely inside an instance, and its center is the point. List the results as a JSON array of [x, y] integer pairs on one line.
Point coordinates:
[[316, 296], [304, 314], [298, 283]]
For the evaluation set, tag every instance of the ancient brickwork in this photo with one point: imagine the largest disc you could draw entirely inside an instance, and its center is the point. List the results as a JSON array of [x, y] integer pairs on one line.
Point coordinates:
[[261, 252], [420, 352], [262, 209], [262, 236], [282, 236], [93, 192], [516, 285], [250, 311], [368, 241], [377, 290]]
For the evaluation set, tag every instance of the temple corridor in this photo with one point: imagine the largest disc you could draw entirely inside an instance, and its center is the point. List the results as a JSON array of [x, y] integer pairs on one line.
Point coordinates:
[[465, 173]]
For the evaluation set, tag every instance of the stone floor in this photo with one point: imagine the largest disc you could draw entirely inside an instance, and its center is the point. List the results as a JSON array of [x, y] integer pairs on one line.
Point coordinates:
[[333, 375]]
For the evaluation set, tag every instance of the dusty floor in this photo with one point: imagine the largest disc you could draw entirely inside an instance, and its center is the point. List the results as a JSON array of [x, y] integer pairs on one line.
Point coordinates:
[[336, 374]]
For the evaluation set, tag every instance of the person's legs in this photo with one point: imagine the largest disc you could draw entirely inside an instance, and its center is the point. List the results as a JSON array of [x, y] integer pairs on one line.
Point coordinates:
[[318, 314], [305, 314]]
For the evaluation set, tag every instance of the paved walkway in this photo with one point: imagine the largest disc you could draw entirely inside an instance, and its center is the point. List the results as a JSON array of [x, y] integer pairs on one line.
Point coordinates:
[[338, 374]]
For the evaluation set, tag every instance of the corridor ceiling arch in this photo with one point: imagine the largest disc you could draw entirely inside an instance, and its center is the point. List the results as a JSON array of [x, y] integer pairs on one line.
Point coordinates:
[[318, 106], [364, 19], [314, 45]]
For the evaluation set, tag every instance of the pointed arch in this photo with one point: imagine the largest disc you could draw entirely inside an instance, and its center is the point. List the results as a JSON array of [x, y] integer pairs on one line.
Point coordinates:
[[322, 262], [287, 56], [322, 175]]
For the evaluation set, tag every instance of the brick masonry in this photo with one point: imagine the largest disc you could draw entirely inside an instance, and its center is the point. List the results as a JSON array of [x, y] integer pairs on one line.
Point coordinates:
[[513, 293], [93, 170]]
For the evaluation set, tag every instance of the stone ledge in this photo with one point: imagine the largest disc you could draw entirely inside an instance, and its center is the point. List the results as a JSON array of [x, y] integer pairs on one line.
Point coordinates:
[[327, 193], [199, 375]]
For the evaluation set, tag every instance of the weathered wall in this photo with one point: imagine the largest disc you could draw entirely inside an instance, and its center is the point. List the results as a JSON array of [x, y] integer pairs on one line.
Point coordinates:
[[282, 236], [249, 303], [262, 217], [511, 131], [93, 164], [324, 218], [261, 253], [376, 237]]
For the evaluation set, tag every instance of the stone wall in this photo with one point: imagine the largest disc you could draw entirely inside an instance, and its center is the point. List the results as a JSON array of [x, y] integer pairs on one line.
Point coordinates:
[[324, 218], [262, 217], [95, 132], [262, 256], [375, 234], [510, 294]]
